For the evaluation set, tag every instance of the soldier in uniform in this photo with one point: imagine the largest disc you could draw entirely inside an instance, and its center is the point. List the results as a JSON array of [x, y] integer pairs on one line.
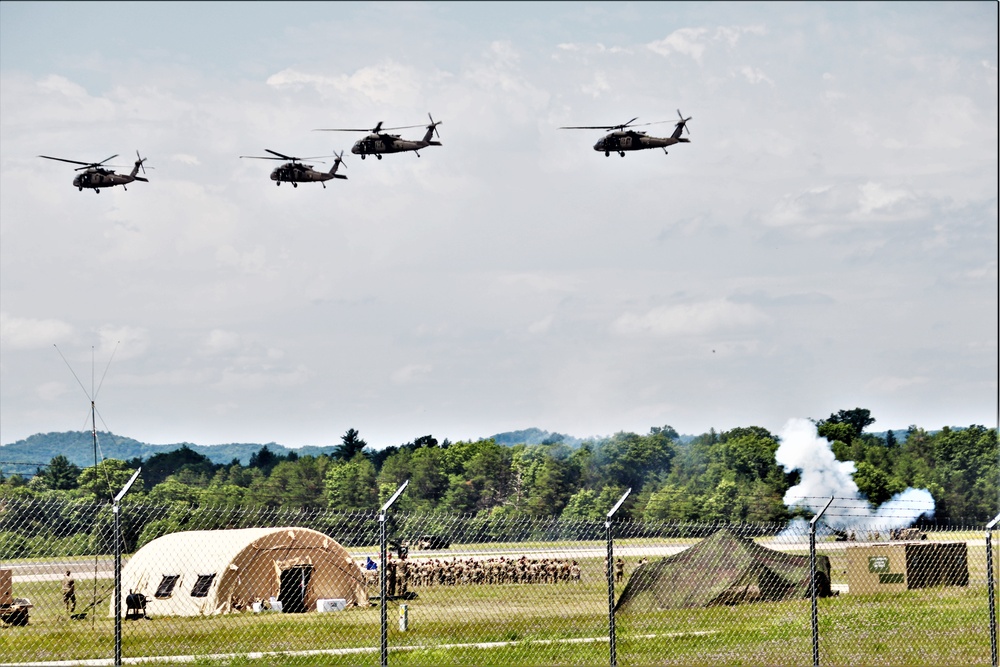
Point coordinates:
[[390, 576], [403, 575], [69, 592]]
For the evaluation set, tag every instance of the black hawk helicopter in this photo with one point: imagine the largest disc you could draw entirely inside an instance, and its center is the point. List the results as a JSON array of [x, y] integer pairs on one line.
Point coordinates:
[[95, 175], [624, 139], [379, 142], [295, 172]]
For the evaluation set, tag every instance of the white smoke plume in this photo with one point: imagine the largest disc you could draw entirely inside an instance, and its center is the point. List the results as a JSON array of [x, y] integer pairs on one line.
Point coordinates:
[[823, 477]]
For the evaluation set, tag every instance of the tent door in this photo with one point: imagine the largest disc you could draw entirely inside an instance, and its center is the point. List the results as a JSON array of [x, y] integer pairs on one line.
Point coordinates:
[[293, 587]]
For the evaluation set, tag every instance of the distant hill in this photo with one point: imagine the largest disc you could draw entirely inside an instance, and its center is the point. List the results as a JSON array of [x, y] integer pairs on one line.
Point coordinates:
[[535, 436], [25, 456]]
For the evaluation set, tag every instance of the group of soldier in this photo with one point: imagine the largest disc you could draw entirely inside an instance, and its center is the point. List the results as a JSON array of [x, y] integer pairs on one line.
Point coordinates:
[[403, 573]]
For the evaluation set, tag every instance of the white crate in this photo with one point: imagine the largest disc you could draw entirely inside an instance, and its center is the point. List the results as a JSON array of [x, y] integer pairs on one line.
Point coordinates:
[[331, 604]]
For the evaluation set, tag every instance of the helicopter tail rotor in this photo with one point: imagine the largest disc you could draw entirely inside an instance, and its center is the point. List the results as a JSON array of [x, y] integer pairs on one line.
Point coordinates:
[[431, 131], [434, 124], [336, 165], [682, 123]]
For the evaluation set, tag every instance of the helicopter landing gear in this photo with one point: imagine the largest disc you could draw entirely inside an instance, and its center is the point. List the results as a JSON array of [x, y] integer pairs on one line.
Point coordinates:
[[278, 183], [323, 184], [97, 191], [607, 154], [379, 156], [295, 185], [622, 153], [80, 188]]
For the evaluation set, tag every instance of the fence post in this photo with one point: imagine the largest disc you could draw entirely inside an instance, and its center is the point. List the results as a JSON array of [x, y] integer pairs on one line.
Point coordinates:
[[118, 568], [812, 573], [383, 598], [611, 580], [991, 585]]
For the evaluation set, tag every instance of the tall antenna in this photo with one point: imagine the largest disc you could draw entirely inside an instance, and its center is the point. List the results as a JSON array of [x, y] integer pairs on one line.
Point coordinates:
[[92, 395]]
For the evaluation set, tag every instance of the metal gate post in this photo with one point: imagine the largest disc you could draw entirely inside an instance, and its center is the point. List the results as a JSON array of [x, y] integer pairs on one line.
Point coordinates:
[[992, 589], [383, 597], [118, 568], [613, 649], [812, 573]]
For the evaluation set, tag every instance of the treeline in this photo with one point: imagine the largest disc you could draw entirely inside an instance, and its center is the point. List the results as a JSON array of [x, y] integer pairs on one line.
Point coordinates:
[[729, 476]]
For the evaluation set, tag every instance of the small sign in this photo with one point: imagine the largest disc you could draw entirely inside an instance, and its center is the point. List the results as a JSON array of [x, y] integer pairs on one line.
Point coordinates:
[[878, 563]]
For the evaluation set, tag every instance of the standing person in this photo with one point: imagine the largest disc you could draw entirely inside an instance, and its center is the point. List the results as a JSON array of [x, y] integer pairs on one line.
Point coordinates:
[[390, 575], [69, 592], [402, 576], [619, 570]]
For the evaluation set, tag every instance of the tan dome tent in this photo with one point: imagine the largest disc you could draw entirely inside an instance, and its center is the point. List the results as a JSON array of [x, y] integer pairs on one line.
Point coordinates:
[[203, 572], [723, 569]]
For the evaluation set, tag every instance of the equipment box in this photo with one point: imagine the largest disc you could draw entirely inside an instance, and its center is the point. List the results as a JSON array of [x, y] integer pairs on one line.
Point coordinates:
[[892, 567], [331, 604]]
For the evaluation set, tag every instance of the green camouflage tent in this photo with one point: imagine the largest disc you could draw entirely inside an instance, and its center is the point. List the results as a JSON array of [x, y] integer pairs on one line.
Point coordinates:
[[723, 569]]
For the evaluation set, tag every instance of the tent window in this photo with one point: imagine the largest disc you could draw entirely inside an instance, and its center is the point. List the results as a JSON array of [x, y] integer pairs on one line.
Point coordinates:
[[200, 588], [166, 587]]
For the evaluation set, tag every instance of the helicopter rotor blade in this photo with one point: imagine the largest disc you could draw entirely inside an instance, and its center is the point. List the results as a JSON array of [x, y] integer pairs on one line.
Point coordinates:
[[62, 159], [140, 161], [622, 126], [433, 125], [283, 157]]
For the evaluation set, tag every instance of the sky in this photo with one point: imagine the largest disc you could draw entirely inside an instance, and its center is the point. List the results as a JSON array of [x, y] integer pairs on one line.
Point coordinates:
[[827, 240]]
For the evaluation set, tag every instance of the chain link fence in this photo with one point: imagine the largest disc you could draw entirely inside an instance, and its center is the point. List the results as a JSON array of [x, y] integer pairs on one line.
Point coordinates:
[[238, 585]]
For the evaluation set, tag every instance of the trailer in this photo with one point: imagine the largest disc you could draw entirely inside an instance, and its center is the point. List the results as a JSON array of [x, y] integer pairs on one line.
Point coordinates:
[[13, 611]]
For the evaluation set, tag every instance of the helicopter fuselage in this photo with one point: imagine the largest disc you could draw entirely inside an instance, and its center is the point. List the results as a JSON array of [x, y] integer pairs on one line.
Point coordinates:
[[378, 144], [295, 173], [97, 178], [630, 140]]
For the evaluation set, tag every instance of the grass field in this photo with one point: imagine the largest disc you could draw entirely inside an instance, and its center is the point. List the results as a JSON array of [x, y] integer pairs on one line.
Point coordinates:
[[541, 624]]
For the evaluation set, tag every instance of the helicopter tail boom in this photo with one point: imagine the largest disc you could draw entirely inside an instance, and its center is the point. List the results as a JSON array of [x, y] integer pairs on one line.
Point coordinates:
[[336, 165]]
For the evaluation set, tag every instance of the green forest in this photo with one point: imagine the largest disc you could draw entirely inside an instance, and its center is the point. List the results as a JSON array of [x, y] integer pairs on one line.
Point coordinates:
[[728, 476]]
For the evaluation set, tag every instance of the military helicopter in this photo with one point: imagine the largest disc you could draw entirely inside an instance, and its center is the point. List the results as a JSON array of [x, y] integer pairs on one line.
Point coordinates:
[[295, 172], [624, 139], [95, 175], [379, 142]]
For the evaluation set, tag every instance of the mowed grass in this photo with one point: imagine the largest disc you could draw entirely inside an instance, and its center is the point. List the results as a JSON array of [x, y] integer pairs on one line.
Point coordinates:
[[539, 624]]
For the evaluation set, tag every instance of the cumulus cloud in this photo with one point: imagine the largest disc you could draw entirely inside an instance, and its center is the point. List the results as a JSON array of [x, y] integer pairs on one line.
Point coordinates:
[[693, 42], [831, 206], [719, 315], [124, 342], [754, 75], [21, 333], [219, 341], [889, 384], [386, 82], [410, 373]]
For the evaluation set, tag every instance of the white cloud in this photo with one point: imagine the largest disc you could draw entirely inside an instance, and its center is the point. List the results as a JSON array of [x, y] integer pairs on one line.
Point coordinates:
[[125, 342], [219, 341], [707, 317], [755, 75], [693, 42], [23, 333], [685, 41], [410, 373], [887, 384]]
